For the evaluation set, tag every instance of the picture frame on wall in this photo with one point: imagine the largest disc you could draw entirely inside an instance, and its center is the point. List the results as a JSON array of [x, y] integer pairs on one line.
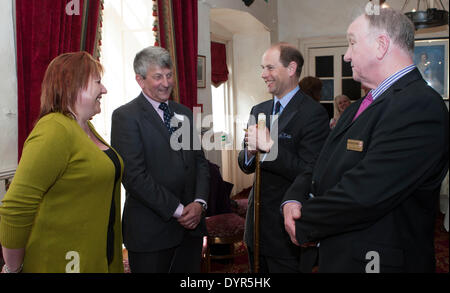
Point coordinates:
[[201, 71], [431, 58]]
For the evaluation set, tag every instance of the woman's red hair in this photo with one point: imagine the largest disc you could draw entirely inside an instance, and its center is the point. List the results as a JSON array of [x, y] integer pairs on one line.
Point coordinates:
[[65, 76]]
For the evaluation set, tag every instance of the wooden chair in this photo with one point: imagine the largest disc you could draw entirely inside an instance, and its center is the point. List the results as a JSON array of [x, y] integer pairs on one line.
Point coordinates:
[[226, 229]]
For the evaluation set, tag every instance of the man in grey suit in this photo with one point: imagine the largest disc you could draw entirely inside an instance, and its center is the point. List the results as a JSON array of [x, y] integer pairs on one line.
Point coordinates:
[[302, 130], [166, 187], [373, 195]]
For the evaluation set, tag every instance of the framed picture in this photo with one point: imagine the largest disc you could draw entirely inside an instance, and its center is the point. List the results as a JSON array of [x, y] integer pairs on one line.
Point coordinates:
[[201, 71], [431, 58]]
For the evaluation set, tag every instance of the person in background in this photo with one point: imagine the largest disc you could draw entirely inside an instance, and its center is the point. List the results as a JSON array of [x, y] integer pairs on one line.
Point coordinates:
[[371, 200], [341, 103], [312, 86], [62, 210], [167, 188], [302, 127]]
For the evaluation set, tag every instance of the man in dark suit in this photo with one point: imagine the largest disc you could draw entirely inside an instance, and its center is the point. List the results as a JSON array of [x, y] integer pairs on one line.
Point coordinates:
[[294, 141], [166, 187], [374, 190]]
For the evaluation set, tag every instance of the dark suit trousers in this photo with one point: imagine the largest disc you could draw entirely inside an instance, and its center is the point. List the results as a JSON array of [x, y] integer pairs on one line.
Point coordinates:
[[268, 264], [184, 258]]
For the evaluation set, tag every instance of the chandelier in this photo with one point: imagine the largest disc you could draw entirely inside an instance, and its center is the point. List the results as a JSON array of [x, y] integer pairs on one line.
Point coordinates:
[[431, 17]]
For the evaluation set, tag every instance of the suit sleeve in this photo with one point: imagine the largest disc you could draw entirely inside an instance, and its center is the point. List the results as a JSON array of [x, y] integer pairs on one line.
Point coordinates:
[[314, 133], [301, 187], [125, 138], [406, 149], [247, 169], [202, 171]]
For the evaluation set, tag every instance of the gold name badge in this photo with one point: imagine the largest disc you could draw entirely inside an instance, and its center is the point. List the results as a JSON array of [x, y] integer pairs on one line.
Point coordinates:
[[355, 145]]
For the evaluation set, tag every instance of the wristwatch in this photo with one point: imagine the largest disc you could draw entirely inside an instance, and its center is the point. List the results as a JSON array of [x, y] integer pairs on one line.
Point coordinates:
[[204, 206]]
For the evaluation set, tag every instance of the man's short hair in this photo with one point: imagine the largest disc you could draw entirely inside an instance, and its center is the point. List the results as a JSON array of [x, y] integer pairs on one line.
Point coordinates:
[[397, 25], [151, 56], [289, 53]]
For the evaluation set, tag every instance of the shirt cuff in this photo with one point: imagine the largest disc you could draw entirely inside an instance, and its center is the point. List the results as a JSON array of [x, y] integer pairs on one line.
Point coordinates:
[[203, 202], [248, 160], [288, 201], [178, 211]]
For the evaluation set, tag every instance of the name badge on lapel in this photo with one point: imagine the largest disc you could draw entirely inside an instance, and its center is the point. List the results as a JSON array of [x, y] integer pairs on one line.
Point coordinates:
[[355, 145]]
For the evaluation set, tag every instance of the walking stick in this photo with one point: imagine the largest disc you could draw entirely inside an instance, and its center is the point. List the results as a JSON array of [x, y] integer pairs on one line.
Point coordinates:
[[257, 194]]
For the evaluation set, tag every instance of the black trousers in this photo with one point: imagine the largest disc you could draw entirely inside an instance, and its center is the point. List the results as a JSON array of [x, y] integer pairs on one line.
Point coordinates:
[[269, 264], [184, 258]]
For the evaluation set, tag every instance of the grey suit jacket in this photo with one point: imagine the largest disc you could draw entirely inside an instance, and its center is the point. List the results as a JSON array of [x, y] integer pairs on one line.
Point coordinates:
[[156, 177]]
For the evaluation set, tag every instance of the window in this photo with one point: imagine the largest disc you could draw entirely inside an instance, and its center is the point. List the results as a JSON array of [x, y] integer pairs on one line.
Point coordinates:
[[127, 29], [218, 107], [336, 75]]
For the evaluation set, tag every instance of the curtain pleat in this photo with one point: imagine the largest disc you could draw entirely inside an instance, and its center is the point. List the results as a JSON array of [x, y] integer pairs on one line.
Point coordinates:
[[178, 25], [93, 29], [43, 31], [219, 69]]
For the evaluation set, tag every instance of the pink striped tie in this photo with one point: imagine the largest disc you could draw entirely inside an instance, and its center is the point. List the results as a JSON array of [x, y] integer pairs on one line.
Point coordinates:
[[365, 103]]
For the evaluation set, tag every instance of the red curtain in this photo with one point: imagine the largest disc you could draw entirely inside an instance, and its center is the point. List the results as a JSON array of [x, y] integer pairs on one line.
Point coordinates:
[[178, 24], [93, 34], [44, 30], [219, 69], [185, 16]]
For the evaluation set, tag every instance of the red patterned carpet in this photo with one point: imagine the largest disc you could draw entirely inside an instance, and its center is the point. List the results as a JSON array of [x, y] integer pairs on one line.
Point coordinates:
[[236, 266], [240, 263], [441, 245]]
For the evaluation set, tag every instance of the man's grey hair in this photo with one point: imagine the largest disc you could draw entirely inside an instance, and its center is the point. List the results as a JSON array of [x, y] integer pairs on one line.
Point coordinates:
[[397, 25], [151, 56]]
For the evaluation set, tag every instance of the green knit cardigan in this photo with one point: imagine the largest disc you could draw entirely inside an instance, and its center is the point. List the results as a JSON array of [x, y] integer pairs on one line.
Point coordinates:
[[58, 204]]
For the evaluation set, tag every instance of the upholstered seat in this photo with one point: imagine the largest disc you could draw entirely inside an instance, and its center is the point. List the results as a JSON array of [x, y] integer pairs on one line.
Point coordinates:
[[226, 229], [239, 206]]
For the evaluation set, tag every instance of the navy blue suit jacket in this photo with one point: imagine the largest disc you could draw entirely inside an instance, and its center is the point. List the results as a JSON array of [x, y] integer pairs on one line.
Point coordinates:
[[383, 196]]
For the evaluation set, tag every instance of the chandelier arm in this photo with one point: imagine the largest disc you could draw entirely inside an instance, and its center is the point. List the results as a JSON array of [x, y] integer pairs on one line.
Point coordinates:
[[404, 5]]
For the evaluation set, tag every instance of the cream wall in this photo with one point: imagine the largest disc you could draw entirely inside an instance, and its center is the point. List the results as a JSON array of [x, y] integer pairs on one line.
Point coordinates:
[[248, 35], [266, 13], [320, 18], [263, 12], [204, 95], [250, 89], [8, 92]]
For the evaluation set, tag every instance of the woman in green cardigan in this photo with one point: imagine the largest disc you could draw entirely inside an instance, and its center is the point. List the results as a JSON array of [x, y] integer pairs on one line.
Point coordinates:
[[62, 210]]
